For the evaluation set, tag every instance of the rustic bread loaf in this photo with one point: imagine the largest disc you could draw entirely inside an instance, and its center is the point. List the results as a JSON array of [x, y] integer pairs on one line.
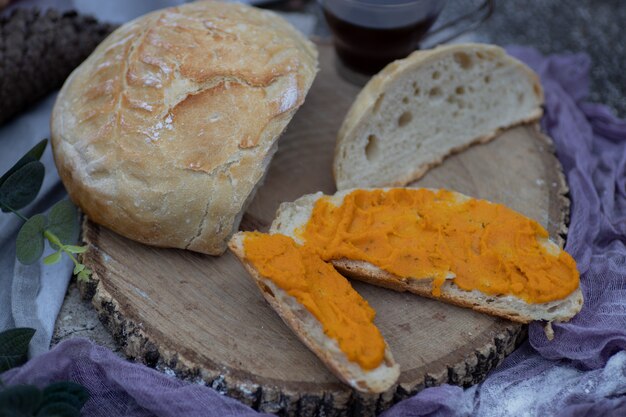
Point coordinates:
[[310, 331], [292, 217], [164, 132], [418, 110]]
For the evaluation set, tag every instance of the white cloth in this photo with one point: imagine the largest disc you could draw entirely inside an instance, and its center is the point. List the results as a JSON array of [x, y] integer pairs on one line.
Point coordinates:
[[30, 296]]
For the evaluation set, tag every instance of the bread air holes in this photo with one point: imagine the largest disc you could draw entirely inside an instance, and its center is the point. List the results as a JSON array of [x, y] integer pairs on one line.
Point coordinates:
[[434, 92], [416, 89], [378, 102], [553, 308], [456, 101], [463, 60], [372, 148], [267, 290], [436, 75], [404, 119]]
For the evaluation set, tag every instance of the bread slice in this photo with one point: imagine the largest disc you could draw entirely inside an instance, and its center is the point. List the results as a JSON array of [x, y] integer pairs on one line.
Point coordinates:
[[420, 109], [309, 330], [293, 216]]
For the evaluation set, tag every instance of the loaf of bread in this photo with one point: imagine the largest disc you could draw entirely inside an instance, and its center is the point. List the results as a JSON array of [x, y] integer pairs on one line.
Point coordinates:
[[292, 218], [419, 110], [311, 332], [165, 131]]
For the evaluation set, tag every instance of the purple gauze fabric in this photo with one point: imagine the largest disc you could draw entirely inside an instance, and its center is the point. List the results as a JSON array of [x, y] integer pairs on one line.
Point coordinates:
[[121, 388], [591, 144]]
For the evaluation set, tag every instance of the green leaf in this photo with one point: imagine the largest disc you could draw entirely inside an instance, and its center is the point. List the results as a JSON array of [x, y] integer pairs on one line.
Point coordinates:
[[76, 249], [20, 400], [30, 242], [14, 347], [58, 410], [63, 222], [66, 392], [84, 274], [33, 155], [53, 258], [22, 186], [78, 268]]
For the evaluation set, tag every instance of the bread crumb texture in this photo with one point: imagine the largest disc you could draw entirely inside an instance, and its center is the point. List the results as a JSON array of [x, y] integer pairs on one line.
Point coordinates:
[[420, 109]]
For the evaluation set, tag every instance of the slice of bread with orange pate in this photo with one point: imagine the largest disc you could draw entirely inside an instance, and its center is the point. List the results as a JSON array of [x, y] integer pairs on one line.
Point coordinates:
[[292, 219], [378, 377], [435, 243]]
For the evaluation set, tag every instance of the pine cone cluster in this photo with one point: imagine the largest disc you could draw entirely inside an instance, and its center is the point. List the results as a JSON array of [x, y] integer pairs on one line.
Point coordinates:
[[38, 51]]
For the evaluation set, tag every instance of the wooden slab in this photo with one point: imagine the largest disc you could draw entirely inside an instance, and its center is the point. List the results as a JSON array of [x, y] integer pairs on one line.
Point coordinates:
[[204, 318]]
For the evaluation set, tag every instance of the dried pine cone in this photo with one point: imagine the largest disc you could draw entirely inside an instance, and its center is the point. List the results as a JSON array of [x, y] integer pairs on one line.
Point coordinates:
[[38, 51]]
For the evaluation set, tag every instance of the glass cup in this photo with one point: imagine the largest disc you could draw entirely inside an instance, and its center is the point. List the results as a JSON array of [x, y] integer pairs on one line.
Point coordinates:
[[369, 34]]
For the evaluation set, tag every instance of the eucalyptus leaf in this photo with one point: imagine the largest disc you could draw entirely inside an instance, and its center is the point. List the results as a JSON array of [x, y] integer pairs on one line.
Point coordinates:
[[58, 410], [22, 186], [14, 347], [20, 400], [30, 242], [63, 222], [33, 155], [62, 398], [78, 268], [66, 392], [52, 258]]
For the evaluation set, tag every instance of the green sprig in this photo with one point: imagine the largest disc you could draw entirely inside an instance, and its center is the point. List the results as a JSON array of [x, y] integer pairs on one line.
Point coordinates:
[[19, 186]]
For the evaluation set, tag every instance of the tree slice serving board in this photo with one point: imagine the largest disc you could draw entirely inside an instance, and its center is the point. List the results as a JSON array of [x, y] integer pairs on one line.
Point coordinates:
[[204, 318]]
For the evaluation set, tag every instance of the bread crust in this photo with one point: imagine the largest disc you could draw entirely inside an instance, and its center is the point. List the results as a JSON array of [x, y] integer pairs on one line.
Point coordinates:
[[361, 110], [164, 132], [366, 272], [310, 332]]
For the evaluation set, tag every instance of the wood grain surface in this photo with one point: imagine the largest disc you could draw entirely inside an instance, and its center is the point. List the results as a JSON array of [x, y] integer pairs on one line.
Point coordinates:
[[204, 318]]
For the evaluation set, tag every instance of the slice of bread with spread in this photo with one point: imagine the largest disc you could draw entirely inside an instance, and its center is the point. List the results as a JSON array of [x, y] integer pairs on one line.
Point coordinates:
[[331, 319], [420, 109], [503, 284], [435, 243]]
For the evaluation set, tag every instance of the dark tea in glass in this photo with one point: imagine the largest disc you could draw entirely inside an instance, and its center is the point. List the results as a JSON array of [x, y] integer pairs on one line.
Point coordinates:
[[369, 34]]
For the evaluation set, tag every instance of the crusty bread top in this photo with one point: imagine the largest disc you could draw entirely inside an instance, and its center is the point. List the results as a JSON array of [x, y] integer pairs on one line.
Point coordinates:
[[420, 109], [164, 131]]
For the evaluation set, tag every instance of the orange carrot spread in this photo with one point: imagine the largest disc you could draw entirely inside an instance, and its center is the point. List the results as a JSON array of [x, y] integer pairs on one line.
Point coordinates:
[[411, 233], [343, 313]]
